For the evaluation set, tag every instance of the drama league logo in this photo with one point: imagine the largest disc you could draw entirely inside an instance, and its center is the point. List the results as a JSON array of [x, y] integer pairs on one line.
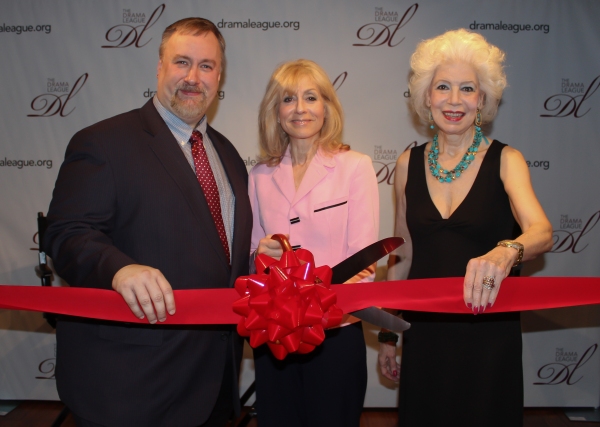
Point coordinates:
[[125, 34], [569, 236], [47, 367], [566, 103], [384, 162], [339, 80], [385, 28], [50, 104], [36, 240], [566, 368]]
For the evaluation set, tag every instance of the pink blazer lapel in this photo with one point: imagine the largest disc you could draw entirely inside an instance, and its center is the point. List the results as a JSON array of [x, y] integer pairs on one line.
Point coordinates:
[[283, 177], [315, 173]]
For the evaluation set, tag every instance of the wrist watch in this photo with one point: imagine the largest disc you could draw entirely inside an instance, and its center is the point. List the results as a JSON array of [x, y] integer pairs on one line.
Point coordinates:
[[515, 245]]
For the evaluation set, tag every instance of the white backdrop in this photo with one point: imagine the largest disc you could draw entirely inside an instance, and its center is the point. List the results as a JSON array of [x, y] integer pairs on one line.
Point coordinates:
[[69, 64]]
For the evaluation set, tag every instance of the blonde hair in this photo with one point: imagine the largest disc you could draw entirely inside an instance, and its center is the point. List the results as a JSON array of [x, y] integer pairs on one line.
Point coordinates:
[[452, 47], [284, 81]]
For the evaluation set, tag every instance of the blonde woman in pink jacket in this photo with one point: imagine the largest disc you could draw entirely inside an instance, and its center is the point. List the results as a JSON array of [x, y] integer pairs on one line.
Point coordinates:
[[312, 187]]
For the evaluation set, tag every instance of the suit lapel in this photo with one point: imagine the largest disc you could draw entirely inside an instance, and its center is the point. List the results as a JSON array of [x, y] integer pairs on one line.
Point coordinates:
[[316, 172], [283, 177], [242, 219], [172, 158]]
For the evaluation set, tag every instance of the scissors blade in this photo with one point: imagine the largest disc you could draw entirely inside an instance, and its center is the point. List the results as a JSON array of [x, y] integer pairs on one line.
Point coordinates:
[[383, 319], [357, 263]]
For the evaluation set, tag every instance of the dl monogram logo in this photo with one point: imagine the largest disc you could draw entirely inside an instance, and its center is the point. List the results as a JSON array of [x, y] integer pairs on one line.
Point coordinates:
[[566, 369], [385, 170], [46, 369], [125, 35], [565, 105], [50, 104], [378, 33], [570, 236]]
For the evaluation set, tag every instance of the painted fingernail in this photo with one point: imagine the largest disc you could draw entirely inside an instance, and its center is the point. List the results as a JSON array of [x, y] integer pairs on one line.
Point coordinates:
[[394, 373], [470, 306], [489, 304]]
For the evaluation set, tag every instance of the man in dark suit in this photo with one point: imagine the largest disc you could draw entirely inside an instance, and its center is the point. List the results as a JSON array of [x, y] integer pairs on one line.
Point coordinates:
[[146, 202]]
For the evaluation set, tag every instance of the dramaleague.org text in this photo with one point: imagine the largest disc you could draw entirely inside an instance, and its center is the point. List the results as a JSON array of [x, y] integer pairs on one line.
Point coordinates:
[[515, 28], [295, 25], [20, 164], [19, 29]]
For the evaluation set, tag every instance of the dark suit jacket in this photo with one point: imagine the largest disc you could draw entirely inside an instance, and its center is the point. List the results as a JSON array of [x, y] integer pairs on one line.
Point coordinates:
[[126, 194]]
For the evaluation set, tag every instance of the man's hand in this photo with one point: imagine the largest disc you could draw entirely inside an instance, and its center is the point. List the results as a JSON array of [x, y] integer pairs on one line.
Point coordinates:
[[146, 291]]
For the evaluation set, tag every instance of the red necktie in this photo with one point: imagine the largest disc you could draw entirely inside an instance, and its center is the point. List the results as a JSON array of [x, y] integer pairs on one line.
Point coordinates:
[[207, 181]]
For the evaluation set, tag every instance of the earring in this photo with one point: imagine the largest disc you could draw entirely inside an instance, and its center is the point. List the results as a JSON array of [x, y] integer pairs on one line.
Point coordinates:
[[431, 120], [478, 118]]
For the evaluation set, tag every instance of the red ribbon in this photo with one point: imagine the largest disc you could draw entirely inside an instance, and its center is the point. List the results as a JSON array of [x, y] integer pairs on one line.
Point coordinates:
[[290, 307], [213, 306]]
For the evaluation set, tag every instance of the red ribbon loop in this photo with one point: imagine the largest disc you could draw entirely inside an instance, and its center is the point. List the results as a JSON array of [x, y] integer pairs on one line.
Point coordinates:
[[289, 306]]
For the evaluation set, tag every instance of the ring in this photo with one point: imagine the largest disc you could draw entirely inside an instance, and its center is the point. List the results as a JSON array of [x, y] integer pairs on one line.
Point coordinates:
[[488, 282]]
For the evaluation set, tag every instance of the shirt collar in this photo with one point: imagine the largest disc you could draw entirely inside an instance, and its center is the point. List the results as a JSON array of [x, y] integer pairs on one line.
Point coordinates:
[[178, 127]]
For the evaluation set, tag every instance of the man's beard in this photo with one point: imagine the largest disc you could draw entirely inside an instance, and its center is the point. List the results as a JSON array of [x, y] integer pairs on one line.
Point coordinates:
[[188, 109]]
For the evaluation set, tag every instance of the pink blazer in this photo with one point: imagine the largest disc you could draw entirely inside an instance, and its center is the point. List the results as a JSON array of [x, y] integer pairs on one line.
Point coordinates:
[[334, 213]]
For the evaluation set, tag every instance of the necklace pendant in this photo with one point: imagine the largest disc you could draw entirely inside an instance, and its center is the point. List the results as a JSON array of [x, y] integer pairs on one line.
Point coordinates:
[[437, 170]]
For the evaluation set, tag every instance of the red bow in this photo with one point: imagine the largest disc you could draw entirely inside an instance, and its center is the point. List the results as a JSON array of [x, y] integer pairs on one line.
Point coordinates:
[[289, 306]]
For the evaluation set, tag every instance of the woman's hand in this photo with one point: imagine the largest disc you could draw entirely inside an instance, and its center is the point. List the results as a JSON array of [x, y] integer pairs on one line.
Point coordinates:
[[536, 238], [484, 277], [270, 247], [387, 362]]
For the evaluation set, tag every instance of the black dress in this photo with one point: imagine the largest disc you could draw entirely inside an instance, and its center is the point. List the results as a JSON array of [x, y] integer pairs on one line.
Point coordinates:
[[459, 369]]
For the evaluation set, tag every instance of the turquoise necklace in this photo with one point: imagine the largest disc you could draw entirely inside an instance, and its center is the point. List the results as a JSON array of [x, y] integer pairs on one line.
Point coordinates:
[[444, 175]]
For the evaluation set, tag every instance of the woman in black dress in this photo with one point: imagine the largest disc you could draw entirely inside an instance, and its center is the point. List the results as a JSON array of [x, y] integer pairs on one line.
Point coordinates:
[[460, 200]]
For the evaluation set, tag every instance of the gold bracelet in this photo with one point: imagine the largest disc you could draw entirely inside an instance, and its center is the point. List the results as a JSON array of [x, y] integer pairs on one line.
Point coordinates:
[[515, 245]]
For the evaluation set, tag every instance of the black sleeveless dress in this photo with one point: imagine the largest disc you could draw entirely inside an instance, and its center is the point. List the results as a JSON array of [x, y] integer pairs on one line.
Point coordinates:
[[456, 369]]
